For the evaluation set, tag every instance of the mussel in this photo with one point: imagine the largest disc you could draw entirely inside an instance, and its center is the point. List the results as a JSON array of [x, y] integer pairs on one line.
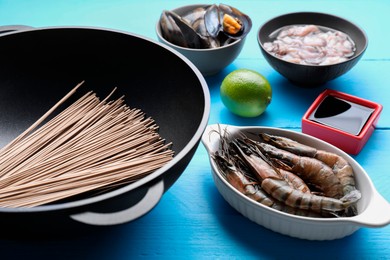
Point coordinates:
[[233, 23], [205, 27], [178, 31]]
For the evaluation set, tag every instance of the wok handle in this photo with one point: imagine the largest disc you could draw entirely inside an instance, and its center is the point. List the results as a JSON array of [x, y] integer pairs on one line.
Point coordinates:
[[149, 201], [13, 28]]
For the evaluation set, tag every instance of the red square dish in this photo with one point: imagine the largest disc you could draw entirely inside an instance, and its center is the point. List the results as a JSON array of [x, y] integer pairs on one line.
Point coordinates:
[[341, 119]]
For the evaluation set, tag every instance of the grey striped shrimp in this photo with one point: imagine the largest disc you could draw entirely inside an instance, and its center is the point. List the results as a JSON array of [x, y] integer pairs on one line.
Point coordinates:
[[311, 170], [337, 163], [276, 186], [293, 180], [240, 179]]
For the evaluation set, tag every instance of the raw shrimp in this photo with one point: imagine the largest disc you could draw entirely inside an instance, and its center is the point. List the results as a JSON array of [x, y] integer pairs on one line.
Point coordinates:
[[294, 180], [242, 181], [236, 177], [311, 170], [280, 190], [337, 163], [310, 45], [289, 145], [340, 167]]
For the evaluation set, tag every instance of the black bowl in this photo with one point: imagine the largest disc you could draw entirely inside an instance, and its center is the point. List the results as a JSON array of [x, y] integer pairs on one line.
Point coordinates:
[[40, 65], [312, 75]]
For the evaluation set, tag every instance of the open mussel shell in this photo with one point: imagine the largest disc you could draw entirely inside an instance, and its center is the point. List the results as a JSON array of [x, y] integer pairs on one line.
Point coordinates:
[[195, 18], [178, 31], [214, 18]]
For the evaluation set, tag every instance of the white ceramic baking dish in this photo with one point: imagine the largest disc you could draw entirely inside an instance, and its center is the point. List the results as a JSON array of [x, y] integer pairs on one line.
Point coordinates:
[[373, 209]]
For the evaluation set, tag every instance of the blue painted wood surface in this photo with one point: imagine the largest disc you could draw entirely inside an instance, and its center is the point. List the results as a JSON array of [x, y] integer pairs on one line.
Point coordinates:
[[192, 220]]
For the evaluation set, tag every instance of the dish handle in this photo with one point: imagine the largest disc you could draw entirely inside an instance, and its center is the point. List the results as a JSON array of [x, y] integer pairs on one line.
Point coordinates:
[[149, 201], [206, 139], [377, 213]]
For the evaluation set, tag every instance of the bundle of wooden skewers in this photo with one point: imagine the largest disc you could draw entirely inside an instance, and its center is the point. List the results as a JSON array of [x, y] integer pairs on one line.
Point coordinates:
[[92, 144]]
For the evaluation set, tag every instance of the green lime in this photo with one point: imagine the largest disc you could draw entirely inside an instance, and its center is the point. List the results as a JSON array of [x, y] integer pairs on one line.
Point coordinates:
[[246, 92]]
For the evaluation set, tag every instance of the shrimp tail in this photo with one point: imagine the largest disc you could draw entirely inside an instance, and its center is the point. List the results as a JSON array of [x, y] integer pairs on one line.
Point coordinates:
[[352, 197]]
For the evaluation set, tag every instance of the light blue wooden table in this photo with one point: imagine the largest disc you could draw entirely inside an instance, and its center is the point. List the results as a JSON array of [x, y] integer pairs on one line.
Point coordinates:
[[192, 220]]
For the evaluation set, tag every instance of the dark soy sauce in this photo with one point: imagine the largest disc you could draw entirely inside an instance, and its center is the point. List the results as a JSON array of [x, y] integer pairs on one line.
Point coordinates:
[[341, 114]]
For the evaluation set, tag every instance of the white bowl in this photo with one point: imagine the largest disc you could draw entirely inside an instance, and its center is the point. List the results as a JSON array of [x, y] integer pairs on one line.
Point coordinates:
[[208, 61], [373, 209]]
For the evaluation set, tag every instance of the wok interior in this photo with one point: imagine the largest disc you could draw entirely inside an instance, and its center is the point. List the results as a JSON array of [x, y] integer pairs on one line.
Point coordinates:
[[39, 67]]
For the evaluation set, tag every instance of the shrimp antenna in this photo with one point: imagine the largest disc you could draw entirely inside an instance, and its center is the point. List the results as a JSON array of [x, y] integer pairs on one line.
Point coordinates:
[[224, 138]]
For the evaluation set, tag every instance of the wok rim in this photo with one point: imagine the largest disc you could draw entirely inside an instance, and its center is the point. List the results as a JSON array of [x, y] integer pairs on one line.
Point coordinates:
[[194, 141]]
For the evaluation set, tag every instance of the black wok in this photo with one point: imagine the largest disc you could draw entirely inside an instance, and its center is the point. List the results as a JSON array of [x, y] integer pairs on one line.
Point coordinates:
[[40, 65]]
